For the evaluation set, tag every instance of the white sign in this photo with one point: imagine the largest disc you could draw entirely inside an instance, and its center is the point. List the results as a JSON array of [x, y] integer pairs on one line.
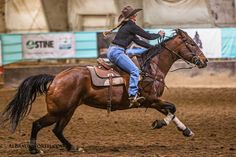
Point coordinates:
[[38, 46], [209, 41]]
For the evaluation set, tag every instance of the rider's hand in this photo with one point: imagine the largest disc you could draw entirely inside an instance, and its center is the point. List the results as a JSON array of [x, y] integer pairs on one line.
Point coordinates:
[[161, 33], [106, 33]]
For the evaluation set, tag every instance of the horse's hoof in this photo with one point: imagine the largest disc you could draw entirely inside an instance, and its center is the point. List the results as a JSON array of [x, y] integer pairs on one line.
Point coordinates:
[[81, 150], [73, 149], [157, 124], [188, 133], [76, 149], [36, 151]]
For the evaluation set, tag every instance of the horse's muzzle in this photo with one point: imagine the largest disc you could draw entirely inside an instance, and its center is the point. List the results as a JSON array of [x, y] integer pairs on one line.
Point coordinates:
[[202, 63]]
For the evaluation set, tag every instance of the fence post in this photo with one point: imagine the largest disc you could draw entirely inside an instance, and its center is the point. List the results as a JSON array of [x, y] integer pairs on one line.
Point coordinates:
[[1, 67]]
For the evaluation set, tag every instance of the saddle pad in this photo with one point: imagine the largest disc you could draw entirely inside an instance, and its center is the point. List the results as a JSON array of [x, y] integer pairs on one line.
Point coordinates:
[[103, 82]]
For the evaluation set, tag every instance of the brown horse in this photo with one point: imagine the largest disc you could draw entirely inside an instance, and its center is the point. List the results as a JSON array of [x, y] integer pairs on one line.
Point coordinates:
[[72, 88]]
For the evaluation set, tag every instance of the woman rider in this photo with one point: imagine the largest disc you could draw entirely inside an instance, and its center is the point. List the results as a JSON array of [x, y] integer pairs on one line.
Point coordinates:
[[127, 33]]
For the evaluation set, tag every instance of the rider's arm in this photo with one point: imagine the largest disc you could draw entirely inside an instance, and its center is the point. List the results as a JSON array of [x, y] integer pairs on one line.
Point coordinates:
[[142, 43], [135, 29]]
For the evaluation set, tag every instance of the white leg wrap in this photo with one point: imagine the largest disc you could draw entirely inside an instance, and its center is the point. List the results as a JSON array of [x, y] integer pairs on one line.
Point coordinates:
[[179, 124], [168, 118]]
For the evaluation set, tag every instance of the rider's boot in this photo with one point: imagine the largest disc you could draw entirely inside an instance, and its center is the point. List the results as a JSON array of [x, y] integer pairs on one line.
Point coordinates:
[[135, 100]]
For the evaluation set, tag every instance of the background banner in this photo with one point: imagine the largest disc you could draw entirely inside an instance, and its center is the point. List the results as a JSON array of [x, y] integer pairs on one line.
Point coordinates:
[[209, 40], [228, 42], [215, 42], [38, 46]]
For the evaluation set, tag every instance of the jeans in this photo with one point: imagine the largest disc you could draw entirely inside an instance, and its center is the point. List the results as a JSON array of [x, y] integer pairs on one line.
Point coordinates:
[[117, 56], [135, 51]]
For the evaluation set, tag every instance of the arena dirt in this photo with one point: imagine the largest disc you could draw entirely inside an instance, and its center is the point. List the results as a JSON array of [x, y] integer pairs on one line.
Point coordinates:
[[209, 112]]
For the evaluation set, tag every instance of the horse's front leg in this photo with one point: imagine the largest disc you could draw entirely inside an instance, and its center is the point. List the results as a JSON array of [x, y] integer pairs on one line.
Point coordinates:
[[169, 110]]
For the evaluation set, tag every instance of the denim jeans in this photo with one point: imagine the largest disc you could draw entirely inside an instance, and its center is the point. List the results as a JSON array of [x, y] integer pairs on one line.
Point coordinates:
[[135, 51], [117, 56]]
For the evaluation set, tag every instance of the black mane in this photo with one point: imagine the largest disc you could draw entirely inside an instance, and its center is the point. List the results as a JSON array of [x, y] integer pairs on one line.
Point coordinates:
[[145, 58]]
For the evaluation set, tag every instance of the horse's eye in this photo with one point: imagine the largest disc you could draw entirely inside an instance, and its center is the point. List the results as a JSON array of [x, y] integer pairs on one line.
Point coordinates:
[[193, 44], [184, 39]]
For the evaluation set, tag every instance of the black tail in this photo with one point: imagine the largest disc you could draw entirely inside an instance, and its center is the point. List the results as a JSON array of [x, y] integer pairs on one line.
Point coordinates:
[[21, 104]]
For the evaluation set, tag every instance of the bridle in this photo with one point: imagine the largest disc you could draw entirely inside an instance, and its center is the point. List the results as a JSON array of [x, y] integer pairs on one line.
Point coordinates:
[[195, 58]]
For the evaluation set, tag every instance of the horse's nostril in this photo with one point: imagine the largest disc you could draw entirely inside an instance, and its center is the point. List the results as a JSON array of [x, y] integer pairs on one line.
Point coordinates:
[[197, 62]]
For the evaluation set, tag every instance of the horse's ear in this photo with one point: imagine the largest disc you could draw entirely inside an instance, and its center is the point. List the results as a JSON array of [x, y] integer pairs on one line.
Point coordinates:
[[177, 30], [181, 32]]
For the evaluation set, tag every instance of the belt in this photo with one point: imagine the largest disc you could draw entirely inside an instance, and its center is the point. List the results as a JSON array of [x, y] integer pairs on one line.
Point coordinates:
[[112, 44]]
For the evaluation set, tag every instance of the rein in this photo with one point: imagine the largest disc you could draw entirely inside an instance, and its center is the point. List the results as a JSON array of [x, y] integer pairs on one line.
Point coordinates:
[[180, 57]]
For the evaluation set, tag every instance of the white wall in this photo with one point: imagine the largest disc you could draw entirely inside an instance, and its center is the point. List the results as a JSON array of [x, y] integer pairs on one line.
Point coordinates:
[[178, 13], [56, 14], [25, 16], [85, 14], [76, 15], [223, 12]]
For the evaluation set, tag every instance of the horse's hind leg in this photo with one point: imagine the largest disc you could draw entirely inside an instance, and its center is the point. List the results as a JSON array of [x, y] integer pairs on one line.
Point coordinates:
[[58, 130], [169, 109], [38, 125]]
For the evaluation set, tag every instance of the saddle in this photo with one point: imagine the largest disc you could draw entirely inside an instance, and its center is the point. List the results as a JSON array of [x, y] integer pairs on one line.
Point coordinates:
[[101, 73], [104, 75]]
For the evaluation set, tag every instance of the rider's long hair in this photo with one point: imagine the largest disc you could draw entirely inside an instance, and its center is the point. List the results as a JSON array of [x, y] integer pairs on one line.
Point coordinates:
[[106, 33]]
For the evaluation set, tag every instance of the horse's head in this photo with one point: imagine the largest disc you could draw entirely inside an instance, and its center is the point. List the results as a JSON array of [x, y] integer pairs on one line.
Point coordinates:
[[188, 50]]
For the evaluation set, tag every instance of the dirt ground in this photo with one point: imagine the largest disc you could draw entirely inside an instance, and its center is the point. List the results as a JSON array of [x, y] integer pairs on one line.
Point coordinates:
[[209, 112]]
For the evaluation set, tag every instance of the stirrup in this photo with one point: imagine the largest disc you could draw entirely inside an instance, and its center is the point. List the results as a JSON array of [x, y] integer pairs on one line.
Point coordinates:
[[135, 101], [134, 104]]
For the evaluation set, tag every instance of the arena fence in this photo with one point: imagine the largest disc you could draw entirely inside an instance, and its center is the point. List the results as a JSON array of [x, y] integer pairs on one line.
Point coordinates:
[[215, 43]]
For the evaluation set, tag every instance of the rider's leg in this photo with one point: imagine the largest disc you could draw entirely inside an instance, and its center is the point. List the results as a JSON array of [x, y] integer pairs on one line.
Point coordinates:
[[125, 63], [135, 51], [117, 56]]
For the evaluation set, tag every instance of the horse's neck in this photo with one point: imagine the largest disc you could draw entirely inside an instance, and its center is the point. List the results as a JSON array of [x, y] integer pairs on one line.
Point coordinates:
[[163, 62]]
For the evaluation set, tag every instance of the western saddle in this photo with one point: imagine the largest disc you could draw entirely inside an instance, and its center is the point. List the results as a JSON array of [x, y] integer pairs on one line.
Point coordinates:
[[106, 74], [103, 71]]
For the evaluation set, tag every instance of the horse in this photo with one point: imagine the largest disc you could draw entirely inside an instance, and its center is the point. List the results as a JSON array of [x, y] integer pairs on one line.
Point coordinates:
[[73, 87]]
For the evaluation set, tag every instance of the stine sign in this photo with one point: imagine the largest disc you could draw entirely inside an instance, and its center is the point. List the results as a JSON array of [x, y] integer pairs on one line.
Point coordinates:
[[38, 46]]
